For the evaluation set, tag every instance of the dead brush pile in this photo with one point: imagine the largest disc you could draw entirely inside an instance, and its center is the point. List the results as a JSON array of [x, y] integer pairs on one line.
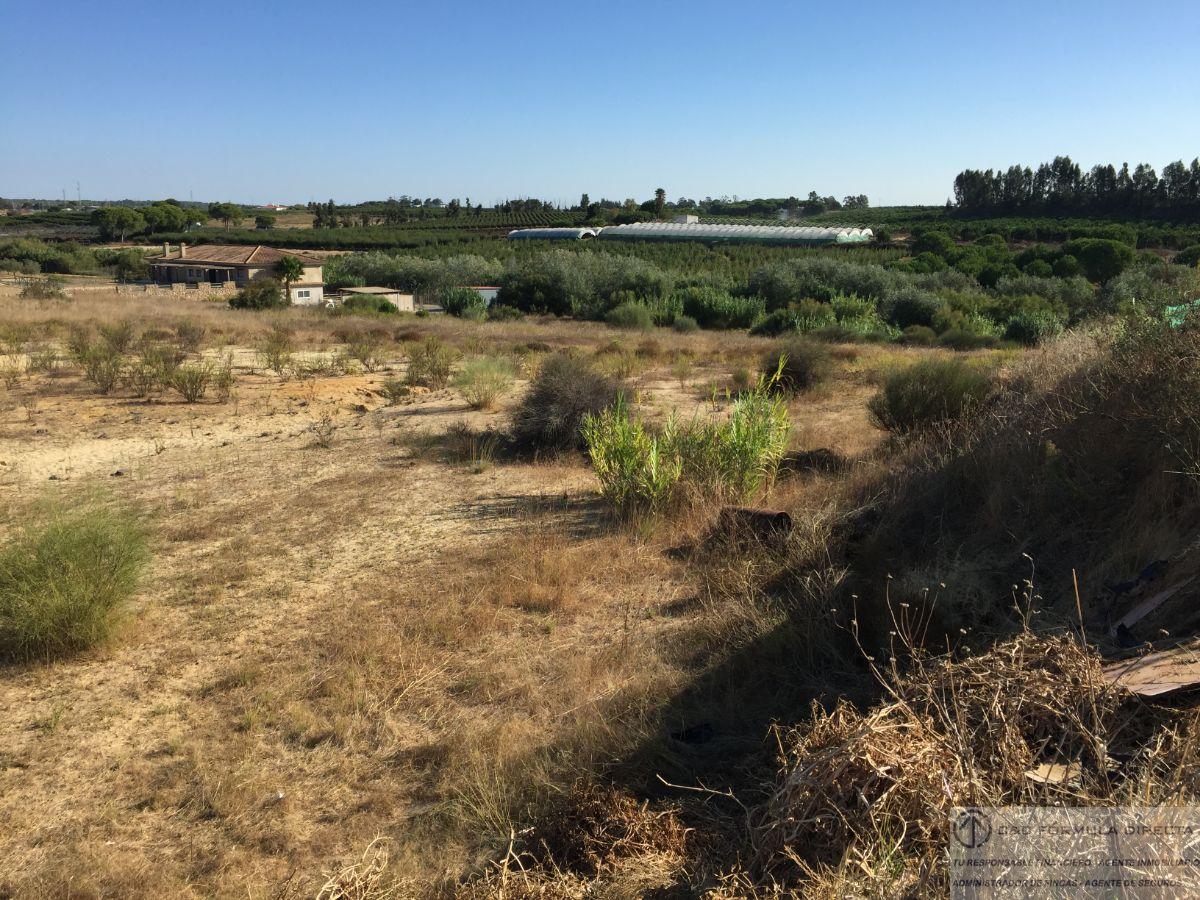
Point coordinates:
[[871, 793], [598, 841]]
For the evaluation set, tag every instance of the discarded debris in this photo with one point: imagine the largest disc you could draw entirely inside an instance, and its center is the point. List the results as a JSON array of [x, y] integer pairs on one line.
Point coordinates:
[[1156, 674], [1055, 773]]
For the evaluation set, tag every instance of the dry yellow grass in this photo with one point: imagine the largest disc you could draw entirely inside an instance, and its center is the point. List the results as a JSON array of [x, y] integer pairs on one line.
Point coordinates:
[[355, 638], [335, 643]]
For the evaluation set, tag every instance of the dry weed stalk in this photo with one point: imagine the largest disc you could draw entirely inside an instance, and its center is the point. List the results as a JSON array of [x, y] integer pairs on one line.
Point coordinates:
[[362, 880]]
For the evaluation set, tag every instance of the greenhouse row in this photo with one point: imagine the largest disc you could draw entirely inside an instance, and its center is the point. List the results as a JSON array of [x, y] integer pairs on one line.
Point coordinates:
[[708, 233]]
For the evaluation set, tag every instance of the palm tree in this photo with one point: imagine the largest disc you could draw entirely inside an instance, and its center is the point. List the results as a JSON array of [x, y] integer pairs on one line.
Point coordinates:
[[289, 269]]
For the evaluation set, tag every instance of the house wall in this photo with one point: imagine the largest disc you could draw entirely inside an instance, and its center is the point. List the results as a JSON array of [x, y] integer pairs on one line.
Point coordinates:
[[315, 295], [241, 274]]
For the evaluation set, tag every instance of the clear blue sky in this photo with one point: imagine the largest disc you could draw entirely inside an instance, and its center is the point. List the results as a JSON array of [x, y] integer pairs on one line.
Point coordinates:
[[290, 101]]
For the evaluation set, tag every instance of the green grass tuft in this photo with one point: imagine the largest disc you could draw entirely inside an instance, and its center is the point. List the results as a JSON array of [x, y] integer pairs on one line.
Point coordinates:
[[64, 581]]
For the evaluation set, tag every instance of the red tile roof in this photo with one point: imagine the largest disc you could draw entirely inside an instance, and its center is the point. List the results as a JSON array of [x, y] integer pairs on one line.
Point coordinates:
[[235, 255]]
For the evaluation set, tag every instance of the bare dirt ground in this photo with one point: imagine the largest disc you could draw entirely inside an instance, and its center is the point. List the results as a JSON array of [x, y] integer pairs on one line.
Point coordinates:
[[350, 627]]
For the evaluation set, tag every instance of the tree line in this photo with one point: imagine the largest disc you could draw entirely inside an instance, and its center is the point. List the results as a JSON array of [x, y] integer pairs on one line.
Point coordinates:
[[1061, 187]]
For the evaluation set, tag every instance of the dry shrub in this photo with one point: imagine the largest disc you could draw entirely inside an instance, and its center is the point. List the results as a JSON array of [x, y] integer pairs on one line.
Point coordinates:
[[596, 841], [801, 364], [951, 733], [429, 364], [550, 415], [595, 827]]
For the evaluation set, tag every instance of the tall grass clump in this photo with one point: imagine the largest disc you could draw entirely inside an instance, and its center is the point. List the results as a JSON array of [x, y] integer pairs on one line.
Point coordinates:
[[737, 458], [565, 390], [637, 470], [734, 459], [483, 379], [63, 582], [927, 393]]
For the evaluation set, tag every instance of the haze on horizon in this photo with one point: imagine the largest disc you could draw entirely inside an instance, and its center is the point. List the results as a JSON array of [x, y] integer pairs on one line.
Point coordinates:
[[254, 104]]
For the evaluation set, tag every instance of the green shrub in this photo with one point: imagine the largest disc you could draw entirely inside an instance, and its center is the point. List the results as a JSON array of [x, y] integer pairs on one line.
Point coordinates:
[[118, 336], [781, 321], [224, 382], [483, 379], [929, 392], [714, 308], [50, 288], [1030, 328], [366, 351], [42, 360], [636, 316], [191, 382], [462, 302], [498, 313], [263, 293], [799, 363], [919, 336], [102, 366], [910, 306], [190, 335], [394, 390], [368, 305], [63, 583], [564, 391], [964, 339], [1188, 256], [165, 360], [802, 317], [685, 324], [276, 350], [1100, 259], [429, 364], [937, 243], [1067, 266], [142, 378]]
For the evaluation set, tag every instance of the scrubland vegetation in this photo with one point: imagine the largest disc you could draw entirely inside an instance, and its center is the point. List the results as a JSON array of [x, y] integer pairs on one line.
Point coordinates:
[[435, 606]]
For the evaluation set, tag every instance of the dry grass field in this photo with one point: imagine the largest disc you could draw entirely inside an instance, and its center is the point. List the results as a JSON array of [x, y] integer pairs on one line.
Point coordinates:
[[382, 649], [356, 623]]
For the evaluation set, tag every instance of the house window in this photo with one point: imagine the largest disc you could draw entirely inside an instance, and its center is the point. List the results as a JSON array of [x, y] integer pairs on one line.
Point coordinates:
[[302, 295]]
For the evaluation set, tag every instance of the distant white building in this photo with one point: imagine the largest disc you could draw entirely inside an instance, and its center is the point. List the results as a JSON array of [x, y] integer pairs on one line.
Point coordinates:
[[486, 291], [687, 219]]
